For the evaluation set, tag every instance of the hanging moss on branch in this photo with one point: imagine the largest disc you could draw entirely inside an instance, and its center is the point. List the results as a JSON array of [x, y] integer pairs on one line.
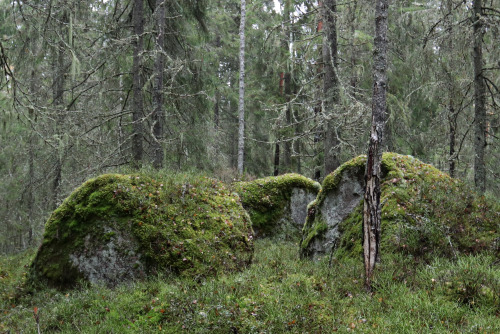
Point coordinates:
[[116, 228], [277, 204], [425, 213]]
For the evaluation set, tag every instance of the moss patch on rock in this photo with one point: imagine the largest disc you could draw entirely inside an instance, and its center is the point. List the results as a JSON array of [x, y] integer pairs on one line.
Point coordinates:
[[425, 214], [277, 204], [120, 227]]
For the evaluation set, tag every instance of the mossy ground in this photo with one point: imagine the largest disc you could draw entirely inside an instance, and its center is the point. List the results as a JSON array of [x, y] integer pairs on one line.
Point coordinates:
[[192, 226], [266, 199], [278, 293], [425, 213]]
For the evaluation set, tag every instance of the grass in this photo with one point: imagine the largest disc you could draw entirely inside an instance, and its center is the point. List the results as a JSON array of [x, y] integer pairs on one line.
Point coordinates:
[[278, 293]]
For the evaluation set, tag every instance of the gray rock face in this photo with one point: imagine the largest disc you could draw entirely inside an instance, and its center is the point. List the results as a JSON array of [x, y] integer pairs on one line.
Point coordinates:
[[112, 262], [298, 205], [325, 216]]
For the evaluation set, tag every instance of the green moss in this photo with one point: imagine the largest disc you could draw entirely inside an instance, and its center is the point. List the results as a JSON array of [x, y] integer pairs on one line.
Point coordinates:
[[425, 213], [333, 179], [192, 226], [266, 199]]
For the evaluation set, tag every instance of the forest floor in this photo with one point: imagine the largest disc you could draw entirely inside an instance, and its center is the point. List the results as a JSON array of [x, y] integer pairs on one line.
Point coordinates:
[[278, 293]]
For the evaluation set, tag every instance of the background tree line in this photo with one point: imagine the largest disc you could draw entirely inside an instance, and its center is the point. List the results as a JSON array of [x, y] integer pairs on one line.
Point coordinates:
[[89, 87]]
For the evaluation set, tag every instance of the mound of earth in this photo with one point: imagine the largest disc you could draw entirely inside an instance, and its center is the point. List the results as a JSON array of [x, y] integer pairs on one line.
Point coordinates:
[[278, 204], [425, 213], [116, 228]]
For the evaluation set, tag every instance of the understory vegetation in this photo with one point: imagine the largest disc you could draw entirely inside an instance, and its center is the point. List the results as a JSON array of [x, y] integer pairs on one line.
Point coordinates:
[[278, 293]]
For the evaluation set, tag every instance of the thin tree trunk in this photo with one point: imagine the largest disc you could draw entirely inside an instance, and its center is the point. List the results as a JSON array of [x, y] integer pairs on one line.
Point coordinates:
[[287, 78], [452, 116], [58, 102], [372, 209], [277, 159], [137, 111], [318, 158], [479, 101], [217, 111], [353, 60], [241, 101], [287, 154], [31, 162], [158, 114], [452, 120], [330, 85]]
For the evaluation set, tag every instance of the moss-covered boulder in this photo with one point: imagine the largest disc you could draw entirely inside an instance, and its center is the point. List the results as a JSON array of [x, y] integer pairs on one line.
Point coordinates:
[[116, 228], [278, 204], [425, 213]]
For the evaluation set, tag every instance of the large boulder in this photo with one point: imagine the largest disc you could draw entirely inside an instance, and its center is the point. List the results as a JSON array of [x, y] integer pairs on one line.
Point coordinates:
[[116, 228], [278, 204], [425, 213]]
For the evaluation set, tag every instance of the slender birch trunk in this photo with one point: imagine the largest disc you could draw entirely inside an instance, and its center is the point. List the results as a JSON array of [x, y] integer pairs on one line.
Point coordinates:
[[241, 101]]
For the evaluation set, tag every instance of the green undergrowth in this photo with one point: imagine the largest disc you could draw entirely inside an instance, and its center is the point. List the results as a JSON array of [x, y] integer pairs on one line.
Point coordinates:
[[278, 293], [182, 224], [266, 199], [425, 213]]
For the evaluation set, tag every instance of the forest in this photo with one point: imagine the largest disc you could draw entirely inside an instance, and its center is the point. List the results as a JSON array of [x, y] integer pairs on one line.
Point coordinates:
[[179, 138], [90, 87]]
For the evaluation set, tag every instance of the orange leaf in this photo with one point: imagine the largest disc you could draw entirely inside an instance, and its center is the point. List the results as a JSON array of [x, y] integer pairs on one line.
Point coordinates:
[[35, 310]]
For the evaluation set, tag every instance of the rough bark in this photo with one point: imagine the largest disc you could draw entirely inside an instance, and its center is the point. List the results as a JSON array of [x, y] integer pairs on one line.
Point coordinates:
[[158, 113], [318, 158], [452, 115], [372, 209], [241, 101], [330, 85], [31, 164], [352, 41], [479, 101], [137, 108]]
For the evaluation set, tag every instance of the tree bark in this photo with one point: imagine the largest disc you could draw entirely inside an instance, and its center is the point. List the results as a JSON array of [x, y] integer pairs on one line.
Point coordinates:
[[241, 101], [285, 47], [158, 113], [330, 85], [58, 102], [277, 159], [137, 109], [451, 115], [479, 101], [372, 209]]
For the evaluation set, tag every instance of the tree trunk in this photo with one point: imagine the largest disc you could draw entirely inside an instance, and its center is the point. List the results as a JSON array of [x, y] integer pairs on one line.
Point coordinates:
[[137, 108], [158, 114], [31, 164], [241, 101], [453, 128], [352, 39], [479, 101], [330, 85], [287, 154], [372, 209], [452, 116], [287, 78], [277, 159], [58, 102]]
